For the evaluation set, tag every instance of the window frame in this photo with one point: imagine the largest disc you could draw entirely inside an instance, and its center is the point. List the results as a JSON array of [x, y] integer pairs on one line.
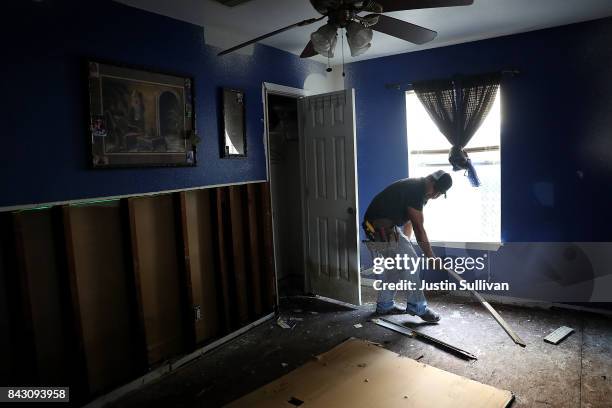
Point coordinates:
[[486, 246]]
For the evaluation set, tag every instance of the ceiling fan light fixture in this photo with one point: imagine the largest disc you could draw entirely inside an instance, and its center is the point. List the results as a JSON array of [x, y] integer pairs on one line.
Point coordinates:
[[359, 38], [324, 40]]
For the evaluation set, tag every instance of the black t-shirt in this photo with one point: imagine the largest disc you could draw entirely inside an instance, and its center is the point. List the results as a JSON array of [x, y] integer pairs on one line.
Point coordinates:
[[393, 202]]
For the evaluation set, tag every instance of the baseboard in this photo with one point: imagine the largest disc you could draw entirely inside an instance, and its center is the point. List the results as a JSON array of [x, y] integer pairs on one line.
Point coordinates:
[[536, 304], [170, 367]]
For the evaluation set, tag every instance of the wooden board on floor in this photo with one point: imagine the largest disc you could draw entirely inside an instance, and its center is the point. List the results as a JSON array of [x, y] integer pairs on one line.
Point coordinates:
[[360, 374], [97, 260], [158, 279], [199, 236]]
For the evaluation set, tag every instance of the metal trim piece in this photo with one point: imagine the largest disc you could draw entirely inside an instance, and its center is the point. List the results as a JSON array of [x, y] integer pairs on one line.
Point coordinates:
[[170, 367], [500, 320], [119, 197], [417, 334]]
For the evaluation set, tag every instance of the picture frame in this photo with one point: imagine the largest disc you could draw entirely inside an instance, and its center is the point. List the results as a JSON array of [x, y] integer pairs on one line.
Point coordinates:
[[233, 131], [140, 118]]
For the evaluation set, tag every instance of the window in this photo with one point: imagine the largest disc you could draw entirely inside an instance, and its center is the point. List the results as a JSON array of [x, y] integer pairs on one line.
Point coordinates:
[[469, 214]]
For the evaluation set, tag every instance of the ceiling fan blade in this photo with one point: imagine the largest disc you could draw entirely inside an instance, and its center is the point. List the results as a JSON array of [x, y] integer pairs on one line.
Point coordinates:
[[280, 30], [404, 30], [398, 5], [309, 51]]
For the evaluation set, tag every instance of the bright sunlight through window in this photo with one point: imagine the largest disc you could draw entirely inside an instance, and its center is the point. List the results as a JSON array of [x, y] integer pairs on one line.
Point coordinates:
[[469, 214]]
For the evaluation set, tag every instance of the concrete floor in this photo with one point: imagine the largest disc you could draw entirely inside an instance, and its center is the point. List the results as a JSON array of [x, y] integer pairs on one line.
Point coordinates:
[[575, 373]]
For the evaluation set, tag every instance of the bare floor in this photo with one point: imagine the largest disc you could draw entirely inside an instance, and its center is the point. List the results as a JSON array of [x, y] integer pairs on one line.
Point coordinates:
[[575, 373]]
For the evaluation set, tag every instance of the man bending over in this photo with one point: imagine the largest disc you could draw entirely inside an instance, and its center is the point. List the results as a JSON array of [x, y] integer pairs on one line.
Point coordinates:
[[390, 218]]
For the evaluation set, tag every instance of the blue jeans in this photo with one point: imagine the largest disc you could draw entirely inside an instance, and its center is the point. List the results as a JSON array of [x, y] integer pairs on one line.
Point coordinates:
[[415, 299]]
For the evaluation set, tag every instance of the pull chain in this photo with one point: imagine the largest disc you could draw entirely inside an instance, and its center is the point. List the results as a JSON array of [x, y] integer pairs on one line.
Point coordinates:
[[343, 73]]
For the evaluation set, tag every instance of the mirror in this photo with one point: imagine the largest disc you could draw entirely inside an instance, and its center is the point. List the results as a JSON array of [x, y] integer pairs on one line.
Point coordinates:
[[234, 129]]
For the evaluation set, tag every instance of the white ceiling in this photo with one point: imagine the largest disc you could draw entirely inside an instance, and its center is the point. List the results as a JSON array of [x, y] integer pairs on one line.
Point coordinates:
[[228, 26]]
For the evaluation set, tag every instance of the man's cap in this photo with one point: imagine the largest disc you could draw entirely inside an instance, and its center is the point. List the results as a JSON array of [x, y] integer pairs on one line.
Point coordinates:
[[442, 181]]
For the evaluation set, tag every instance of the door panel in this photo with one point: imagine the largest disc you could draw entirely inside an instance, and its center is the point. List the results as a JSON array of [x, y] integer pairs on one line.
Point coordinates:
[[328, 129]]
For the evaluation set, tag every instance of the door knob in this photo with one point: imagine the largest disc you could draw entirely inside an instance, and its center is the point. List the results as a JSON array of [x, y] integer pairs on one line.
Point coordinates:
[[351, 210]]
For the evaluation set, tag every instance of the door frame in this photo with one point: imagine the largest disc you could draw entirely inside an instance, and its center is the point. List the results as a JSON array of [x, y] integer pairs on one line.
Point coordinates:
[[297, 93]]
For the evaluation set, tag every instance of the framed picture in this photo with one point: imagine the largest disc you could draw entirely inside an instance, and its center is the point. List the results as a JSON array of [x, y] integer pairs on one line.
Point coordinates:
[[233, 135], [140, 118]]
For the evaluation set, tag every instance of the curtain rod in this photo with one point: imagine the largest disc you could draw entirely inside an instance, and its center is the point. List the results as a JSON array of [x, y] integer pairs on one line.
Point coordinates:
[[408, 86]]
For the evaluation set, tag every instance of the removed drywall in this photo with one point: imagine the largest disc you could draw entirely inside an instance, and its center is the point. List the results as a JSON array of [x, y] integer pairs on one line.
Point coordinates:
[[358, 374]]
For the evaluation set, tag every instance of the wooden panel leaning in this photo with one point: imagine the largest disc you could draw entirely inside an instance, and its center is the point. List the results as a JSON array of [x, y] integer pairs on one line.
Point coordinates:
[[44, 331], [101, 272], [199, 236], [157, 275]]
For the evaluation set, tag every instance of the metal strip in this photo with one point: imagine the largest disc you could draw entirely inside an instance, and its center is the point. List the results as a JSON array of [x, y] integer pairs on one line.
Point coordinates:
[[413, 333], [78, 201], [170, 367], [500, 320], [467, 150]]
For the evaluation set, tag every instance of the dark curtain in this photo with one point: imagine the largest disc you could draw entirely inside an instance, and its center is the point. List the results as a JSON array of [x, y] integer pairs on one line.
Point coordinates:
[[458, 107]]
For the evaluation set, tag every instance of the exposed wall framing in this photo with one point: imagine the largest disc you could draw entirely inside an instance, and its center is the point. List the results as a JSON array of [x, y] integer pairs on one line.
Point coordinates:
[[101, 274], [93, 295], [43, 329]]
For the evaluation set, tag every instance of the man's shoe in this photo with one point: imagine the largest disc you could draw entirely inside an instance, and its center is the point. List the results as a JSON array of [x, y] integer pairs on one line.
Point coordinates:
[[393, 311], [430, 316]]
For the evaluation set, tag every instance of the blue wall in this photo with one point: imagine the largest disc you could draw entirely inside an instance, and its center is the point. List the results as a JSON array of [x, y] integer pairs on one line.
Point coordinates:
[[45, 154], [556, 130]]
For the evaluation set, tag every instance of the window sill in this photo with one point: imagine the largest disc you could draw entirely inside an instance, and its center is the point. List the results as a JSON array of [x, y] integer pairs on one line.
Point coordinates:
[[482, 246]]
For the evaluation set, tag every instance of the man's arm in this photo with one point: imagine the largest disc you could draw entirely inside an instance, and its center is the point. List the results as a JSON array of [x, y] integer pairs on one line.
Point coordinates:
[[416, 219], [408, 229]]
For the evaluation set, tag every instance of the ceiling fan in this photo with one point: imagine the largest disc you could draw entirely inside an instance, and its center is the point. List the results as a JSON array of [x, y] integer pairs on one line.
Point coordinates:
[[345, 14]]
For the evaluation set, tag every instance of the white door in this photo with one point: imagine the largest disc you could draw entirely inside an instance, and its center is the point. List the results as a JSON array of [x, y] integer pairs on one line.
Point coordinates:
[[327, 123]]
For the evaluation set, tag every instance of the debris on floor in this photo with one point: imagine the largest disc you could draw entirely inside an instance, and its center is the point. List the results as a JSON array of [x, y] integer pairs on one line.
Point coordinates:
[[558, 335], [358, 326], [281, 322]]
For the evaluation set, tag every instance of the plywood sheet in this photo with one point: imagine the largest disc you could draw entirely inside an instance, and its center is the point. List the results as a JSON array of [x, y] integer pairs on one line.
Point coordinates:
[[95, 237], [360, 374], [6, 250], [224, 254], [268, 255], [199, 236], [239, 239], [154, 249], [41, 280], [255, 232]]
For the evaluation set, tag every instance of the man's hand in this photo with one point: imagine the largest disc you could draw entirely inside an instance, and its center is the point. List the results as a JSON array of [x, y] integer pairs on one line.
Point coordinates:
[[408, 229], [417, 221]]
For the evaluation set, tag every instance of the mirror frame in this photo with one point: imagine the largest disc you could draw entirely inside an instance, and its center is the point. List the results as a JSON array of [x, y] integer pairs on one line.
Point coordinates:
[[228, 95]]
